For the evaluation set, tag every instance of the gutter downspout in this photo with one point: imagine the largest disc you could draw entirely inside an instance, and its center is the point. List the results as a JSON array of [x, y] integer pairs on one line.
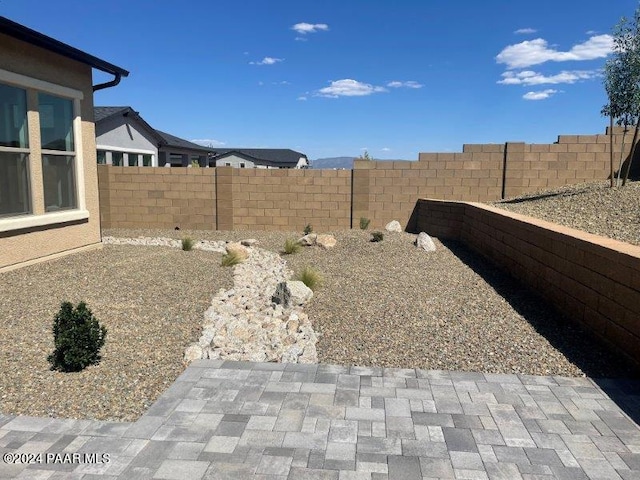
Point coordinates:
[[112, 83]]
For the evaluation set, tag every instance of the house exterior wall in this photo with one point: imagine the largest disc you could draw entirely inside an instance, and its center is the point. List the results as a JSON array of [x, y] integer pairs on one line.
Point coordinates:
[[124, 134], [235, 162], [19, 247]]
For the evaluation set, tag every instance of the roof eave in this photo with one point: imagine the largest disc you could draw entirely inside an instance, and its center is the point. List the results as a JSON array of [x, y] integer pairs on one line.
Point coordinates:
[[15, 30]]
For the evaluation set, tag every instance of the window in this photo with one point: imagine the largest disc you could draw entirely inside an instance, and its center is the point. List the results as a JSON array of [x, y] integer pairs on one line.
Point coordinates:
[[227, 164], [102, 157], [133, 159], [40, 127], [147, 160], [15, 198], [58, 152], [116, 159], [242, 165]]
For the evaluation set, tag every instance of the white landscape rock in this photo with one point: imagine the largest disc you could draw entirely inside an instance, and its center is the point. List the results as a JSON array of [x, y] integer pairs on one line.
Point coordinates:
[[308, 240], [425, 242], [292, 292], [326, 241], [249, 242], [243, 323], [393, 226]]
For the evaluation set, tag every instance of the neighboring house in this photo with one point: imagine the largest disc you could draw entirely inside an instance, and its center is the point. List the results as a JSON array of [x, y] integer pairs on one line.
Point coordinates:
[[258, 158], [48, 175], [124, 138]]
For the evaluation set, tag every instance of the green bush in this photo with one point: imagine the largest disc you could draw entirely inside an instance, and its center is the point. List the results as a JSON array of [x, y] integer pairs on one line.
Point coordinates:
[[310, 277], [377, 236], [187, 244], [230, 259], [291, 246], [364, 223], [308, 229], [78, 338]]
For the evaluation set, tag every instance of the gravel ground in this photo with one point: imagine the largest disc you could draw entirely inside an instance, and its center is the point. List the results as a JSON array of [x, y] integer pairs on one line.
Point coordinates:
[[150, 299], [591, 207], [388, 304], [381, 304]]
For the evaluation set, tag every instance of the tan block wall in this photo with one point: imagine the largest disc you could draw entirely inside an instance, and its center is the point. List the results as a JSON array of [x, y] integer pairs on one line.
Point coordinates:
[[269, 199], [157, 198], [27, 245], [289, 199], [592, 279]]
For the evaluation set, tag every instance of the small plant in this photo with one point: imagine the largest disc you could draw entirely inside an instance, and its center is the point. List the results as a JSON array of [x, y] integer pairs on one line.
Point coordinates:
[[187, 244], [364, 223], [308, 229], [377, 236], [230, 259], [291, 246], [310, 277], [78, 338]]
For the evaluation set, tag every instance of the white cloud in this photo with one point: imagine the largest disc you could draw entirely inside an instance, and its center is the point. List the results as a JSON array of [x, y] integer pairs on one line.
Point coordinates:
[[208, 142], [302, 98], [525, 31], [528, 77], [301, 39], [539, 95], [268, 61], [349, 88], [386, 149], [534, 52], [304, 28], [409, 84]]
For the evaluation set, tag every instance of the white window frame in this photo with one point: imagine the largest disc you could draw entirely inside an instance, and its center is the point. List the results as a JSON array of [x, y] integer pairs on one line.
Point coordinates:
[[125, 163], [31, 220]]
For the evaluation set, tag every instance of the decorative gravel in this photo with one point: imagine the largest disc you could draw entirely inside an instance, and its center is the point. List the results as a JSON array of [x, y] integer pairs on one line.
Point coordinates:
[[592, 207], [381, 304], [151, 299]]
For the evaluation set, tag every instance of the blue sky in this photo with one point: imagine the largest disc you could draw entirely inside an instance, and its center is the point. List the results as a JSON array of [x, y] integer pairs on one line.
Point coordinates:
[[331, 78]]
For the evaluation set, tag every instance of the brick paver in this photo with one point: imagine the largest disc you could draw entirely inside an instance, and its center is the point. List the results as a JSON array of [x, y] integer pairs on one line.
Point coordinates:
[[242, 420]]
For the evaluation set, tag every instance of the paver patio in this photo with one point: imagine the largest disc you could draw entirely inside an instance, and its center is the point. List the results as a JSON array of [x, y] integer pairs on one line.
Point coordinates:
[[238, 420]]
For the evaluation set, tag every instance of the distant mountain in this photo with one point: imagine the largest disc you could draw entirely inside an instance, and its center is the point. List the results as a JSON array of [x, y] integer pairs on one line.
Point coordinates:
[[333, 162], [338, 162]]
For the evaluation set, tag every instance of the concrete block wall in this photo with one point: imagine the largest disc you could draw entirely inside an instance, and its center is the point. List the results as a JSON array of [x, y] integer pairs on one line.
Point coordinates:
[[388, 190], [225, 198], [284, 199], [157, 198], [593, 280]]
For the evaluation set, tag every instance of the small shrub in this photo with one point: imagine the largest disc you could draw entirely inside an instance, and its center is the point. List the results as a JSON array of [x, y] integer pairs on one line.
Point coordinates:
[[187, 244], [377, 236], [308, 229], [230, 259], [291, 246], [364, 223], [78, 338], [310, 277]]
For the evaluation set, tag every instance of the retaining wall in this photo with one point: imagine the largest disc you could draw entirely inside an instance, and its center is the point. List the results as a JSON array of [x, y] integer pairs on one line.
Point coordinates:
[[592, 279]]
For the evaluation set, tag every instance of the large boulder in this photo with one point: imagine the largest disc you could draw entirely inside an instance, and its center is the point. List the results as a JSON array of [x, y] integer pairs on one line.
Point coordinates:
[[326, 241], [393, 226], [238, 249], [424, 241], [291, 293]]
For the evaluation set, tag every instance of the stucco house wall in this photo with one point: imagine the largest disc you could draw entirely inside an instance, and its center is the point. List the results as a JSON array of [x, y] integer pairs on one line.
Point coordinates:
[[124, 134], [54, 233], [235, 161]]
